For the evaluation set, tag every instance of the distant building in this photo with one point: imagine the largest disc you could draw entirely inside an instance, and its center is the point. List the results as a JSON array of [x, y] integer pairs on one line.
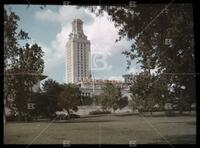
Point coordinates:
[[93, 87], [78, 54], [128, 78], [78, 64]]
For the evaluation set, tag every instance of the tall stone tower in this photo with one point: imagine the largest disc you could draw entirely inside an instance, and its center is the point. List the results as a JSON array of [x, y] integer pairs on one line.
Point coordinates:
[[78, 54]]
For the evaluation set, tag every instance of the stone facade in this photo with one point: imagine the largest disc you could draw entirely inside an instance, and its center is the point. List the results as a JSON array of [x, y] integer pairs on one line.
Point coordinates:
[[91, 87], [78, 54]]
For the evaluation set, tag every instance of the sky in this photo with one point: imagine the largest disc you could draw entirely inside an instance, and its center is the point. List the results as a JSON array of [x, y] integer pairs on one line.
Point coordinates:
[[50, 27]]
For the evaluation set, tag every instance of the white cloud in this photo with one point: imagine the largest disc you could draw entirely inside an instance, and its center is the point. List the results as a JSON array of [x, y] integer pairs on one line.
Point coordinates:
[[49, 58], [55, 51], [47, 15], [100, 31], [65, 15], [102, 34]]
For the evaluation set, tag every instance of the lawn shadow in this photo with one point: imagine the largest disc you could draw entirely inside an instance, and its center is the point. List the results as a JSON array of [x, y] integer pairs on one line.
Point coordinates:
[[162, 114], [154, 114], [185, 122], [82, 121], [176, 139], [127, 114], [191, 123]]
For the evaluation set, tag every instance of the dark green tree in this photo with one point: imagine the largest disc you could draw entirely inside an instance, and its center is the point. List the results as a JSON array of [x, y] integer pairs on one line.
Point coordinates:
[[87, 100], [12, 36], [52, 87], [163, 38], [22, 66], [149, 91], [122, 102], [29, 68], [46, 102], [111, 97], [70, 98]]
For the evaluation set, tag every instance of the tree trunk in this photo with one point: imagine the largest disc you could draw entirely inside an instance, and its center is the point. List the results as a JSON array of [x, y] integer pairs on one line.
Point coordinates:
[[68, 111], [4, 112], [190, 110], [180, 112], [19, 116], [4, 116]]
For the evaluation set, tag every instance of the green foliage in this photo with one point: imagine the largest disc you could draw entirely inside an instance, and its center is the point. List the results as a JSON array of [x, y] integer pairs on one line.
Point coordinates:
[[97, 99], [19, 64], [11, 39], [150, 32], [52, 87], [11, 49], [46, 102], [87, 100], [109, 96], [30, 61], [122, 102], [149, 91], [69, 98], [112, 98], [97, 112], [57, 97]]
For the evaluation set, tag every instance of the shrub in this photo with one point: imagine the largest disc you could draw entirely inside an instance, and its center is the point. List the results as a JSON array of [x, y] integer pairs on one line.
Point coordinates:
[[99, 112], [11, 118]]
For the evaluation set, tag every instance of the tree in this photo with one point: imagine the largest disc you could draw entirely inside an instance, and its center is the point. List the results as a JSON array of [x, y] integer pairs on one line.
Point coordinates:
[[51, 87], [30, 62], [11, 49], [19, 65], [46, 102], [149, 91], [112, 98], [87, 100], [122, 102], [160, 91], [98, 99], [142, 92], [45, 105], [166, 40], [69, 98], [11, 38]]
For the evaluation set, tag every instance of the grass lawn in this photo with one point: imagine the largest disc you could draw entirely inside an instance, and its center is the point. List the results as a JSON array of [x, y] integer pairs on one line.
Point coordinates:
[[105, 129]]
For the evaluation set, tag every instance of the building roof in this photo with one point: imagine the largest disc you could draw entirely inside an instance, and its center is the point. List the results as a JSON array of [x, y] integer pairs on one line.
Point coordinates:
[[77, 20]]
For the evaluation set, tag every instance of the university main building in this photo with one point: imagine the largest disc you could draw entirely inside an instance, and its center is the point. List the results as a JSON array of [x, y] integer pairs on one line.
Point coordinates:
[[78, 66], [78, 63]]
